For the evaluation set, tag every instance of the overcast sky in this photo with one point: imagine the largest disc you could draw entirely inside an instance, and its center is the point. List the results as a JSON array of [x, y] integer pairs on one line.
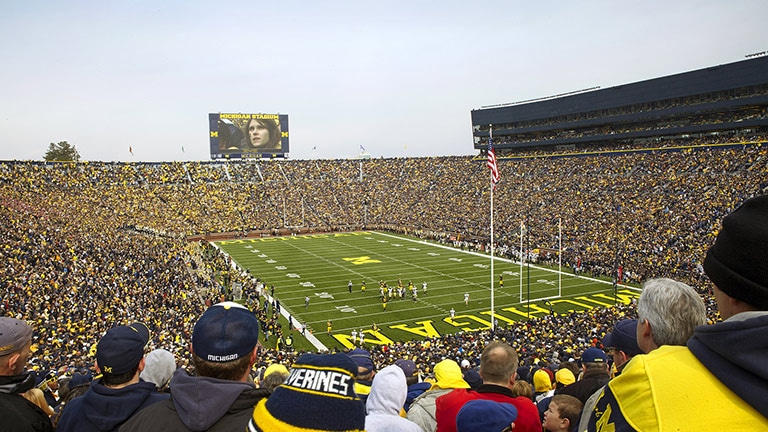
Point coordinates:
[[399, 78]]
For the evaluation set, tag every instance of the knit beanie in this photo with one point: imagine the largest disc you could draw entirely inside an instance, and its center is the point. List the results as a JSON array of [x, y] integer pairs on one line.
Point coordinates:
[[738, 261], [275, 368], [541, 381], [159, 366], [318, 395], [565, 377], [473, 378]]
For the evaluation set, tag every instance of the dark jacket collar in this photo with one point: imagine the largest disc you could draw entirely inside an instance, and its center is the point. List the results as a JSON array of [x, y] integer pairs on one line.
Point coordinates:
[[494, 388], [14, 384]]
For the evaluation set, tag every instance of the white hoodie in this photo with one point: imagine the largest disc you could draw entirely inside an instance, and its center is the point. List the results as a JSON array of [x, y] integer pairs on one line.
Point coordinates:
[[387, 396]]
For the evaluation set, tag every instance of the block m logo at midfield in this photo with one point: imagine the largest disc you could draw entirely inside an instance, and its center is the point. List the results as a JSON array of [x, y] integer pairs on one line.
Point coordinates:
[[361, 260]]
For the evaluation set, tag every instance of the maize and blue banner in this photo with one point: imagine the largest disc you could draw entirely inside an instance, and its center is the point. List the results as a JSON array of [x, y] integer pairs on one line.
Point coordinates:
[[241, 136]]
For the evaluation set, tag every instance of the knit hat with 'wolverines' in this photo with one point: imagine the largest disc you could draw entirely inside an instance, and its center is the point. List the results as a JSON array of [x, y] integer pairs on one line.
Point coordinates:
[[318, 395]]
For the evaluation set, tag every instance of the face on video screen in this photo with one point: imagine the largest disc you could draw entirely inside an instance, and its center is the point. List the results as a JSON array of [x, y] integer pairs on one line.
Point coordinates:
[[248, 135]]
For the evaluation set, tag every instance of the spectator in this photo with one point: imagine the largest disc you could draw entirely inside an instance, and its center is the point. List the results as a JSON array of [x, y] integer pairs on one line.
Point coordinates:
[[542, 385], [447, 378], [365, 372], [668, 312], [415, 387], [274, 375], [36, 396], [222, 395], [318, 395], [159, 368], [473, 378], [63, 390], [594, 364], [522, 388], [129, 260], [17, 413], [498, 366], [562, 414], [622, 344], [76, 387], [119, 394], [386, 399], [723, 365], [49, 384]]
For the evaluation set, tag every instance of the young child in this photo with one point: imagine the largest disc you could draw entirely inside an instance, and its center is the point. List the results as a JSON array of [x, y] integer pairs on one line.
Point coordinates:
[[563, 413]]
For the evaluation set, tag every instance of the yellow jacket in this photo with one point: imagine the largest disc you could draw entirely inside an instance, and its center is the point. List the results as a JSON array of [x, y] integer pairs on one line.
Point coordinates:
[[671, 390]]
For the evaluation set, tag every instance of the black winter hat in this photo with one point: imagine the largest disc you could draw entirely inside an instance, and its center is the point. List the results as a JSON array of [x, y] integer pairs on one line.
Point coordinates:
[[318, 395], [738, 261]]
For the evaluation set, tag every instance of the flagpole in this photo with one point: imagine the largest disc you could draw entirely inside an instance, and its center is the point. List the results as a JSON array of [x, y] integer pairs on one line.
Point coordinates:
[[490, 143], [521, 261], [560, 257]]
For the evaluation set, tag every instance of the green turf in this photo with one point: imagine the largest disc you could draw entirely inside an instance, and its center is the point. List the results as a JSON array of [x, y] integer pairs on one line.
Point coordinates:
[[320, 266]]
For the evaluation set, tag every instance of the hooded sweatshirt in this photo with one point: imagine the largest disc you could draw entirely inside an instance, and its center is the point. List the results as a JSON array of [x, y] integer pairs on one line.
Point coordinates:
[[448, 376], [200, 404], [103, 408], [17, 413], [718, 382], [387, 396]]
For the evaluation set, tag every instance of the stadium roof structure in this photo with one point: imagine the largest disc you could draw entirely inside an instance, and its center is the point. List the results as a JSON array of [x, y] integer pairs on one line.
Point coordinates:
[[726, 97]]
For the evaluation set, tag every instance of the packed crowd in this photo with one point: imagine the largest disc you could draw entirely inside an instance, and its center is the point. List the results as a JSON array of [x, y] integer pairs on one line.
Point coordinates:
[[90, 245], [472, 382], [652, 213]]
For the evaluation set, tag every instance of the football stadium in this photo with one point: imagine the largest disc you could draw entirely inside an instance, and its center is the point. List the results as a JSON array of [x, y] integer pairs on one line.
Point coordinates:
[[541, 237]]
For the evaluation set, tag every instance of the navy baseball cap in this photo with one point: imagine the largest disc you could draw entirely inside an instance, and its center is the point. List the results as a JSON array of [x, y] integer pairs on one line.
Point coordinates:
[[225, 332], [121, 348], [362, 358], [408, 366], [594, 355], [623, 337]]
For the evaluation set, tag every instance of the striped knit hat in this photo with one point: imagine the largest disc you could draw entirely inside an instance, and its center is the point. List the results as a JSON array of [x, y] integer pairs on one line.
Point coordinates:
[[318, 395]]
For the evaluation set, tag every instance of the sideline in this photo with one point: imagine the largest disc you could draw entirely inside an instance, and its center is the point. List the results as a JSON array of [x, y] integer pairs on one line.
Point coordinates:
[[283, 310]]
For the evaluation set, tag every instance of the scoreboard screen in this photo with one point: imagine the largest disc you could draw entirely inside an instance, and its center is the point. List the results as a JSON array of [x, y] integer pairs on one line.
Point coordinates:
[[240, 136]]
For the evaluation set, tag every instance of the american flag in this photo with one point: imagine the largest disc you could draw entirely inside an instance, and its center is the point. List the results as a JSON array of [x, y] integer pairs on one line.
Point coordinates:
[[492, 163]]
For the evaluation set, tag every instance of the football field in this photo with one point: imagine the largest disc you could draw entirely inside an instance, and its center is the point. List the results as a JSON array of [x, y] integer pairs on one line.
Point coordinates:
[[320, 267]]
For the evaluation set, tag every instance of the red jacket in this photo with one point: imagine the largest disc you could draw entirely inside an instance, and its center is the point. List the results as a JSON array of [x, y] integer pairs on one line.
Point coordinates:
[[448, 406]]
